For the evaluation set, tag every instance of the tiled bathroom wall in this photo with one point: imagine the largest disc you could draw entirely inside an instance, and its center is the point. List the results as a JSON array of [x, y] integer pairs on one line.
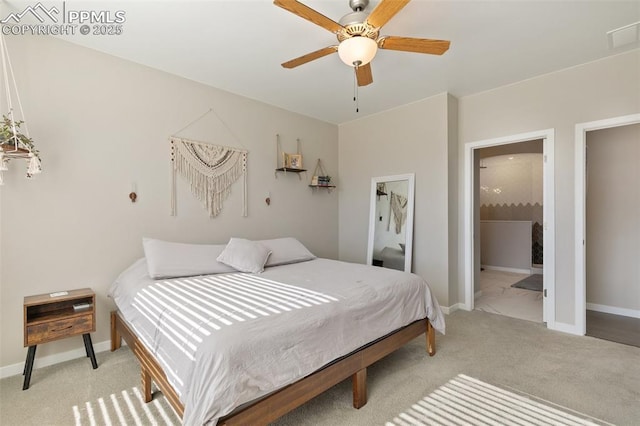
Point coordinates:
[[511, 188]]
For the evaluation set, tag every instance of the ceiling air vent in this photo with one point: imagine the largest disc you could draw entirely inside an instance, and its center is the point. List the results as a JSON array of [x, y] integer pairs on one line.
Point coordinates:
[[624, 36]]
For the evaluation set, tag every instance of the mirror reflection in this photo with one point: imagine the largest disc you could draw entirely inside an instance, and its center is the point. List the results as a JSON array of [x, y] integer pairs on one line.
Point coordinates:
[[391, 222]]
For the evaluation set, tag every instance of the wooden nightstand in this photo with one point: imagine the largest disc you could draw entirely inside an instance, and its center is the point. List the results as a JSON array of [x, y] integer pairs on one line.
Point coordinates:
[[52, 316]]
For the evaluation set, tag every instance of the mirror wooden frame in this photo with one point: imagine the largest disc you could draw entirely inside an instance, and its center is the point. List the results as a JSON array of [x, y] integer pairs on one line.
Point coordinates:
[[408, 251]]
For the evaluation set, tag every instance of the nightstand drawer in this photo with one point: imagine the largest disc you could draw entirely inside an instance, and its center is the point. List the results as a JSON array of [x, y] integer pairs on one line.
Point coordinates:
[[65, 327]]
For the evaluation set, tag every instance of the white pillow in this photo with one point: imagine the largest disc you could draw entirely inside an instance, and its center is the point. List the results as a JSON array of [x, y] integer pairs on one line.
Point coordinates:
[[166, 259], [245, 255], [285, 251], [128, 278]]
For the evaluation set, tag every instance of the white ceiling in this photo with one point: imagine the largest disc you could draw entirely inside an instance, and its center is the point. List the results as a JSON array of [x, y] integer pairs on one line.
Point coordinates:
[[238, 46]]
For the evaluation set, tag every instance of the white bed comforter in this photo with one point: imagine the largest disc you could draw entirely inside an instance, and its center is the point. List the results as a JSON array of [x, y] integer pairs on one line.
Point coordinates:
[[227, 339]]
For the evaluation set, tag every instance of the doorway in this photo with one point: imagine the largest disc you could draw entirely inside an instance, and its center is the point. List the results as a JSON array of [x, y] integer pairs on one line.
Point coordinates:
[[511, 254], [472, 217], [606, 224]]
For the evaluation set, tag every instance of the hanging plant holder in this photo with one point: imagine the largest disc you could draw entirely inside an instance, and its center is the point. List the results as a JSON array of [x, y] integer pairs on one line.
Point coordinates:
[[14, 144]]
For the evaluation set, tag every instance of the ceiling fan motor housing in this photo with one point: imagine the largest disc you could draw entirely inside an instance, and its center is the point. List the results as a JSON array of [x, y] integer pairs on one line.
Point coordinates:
[[355, 24]]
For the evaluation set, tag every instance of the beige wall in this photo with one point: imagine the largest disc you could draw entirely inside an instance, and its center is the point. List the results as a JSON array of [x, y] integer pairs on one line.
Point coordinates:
[[409, 139], [453, 204], [415, 137], [534, 146], [606, 88], [102, 123], [613, 217]]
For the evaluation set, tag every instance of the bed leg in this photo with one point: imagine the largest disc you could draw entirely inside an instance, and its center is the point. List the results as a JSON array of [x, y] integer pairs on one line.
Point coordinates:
[[116, 339], [431, 339], [146, 384], [359, 381]]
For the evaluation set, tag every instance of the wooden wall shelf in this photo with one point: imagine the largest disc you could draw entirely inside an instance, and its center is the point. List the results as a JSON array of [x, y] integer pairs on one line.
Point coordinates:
[[289, 169], [328, 187], [286, 170]]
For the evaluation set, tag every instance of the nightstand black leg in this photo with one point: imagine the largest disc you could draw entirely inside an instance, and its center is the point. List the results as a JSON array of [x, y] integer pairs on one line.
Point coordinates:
[[28, 366], [89, 348]]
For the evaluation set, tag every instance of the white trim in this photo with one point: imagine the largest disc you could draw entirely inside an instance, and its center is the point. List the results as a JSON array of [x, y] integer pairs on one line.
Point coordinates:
[[580, 209], [447, 310], [549, 229], [468, 227], [408, 248], [565, 328], [506, 269], [631, 313], [45, 361], [548, 136]]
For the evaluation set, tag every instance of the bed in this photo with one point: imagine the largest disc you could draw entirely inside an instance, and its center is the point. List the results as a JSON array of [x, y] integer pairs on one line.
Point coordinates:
[[244, 348]]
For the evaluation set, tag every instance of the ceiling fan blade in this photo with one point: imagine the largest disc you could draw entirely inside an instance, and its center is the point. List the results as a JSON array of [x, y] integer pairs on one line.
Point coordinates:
[[363, 74], [309, 14], [385, 10], [310, 57], [418, 45]]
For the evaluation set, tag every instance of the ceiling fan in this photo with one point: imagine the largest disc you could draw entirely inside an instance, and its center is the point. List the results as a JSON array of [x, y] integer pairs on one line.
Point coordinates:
[[359, 37]]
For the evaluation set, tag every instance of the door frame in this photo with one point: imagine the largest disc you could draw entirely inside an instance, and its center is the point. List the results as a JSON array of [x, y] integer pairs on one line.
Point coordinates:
[[548, 137], [581, 211]]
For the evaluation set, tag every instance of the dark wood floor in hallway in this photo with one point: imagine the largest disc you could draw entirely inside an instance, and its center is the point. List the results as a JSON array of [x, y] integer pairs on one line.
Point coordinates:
[[616, 328]]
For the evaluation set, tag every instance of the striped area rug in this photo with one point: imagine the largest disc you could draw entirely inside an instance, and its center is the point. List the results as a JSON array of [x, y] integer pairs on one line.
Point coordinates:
[[125, 408], [468, 401]]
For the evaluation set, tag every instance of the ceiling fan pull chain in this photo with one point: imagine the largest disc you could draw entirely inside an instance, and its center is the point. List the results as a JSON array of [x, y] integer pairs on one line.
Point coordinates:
[[355, 87]]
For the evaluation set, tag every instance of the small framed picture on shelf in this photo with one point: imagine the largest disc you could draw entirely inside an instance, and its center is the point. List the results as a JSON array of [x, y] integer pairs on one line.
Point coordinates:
[[293, 161]]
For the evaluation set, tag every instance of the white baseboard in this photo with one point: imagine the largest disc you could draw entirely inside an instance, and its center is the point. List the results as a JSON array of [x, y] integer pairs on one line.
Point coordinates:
[[447, 310], [565, 328], [633, 313], [15, 369], [535, 270], [504, 269]]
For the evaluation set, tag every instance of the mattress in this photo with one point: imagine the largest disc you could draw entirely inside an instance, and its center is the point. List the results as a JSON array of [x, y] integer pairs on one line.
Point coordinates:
[[226, 339]]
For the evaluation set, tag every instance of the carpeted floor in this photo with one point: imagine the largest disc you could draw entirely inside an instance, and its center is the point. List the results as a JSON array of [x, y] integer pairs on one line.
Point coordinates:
[[125, 408], [469, 401], [590, 376]]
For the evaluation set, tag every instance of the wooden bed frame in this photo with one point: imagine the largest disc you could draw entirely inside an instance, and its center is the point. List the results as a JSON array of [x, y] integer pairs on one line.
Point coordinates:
[[280, 402]]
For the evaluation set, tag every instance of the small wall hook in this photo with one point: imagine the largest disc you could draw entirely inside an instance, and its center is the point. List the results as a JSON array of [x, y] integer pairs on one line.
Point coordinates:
[[132, 195]]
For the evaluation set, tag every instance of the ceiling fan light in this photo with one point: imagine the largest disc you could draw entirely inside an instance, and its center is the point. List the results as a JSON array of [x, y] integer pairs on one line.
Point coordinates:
[[357, 50]]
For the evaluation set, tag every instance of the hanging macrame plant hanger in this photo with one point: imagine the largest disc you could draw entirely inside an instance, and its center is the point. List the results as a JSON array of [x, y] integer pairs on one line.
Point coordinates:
[[210, 169], [13, 143]]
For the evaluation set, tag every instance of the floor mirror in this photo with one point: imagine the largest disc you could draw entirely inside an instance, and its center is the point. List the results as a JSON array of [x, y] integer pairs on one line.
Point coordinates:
[[391, 222]]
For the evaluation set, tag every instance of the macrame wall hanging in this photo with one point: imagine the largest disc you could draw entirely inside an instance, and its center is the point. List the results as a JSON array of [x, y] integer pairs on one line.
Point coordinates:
[[210, 169]]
